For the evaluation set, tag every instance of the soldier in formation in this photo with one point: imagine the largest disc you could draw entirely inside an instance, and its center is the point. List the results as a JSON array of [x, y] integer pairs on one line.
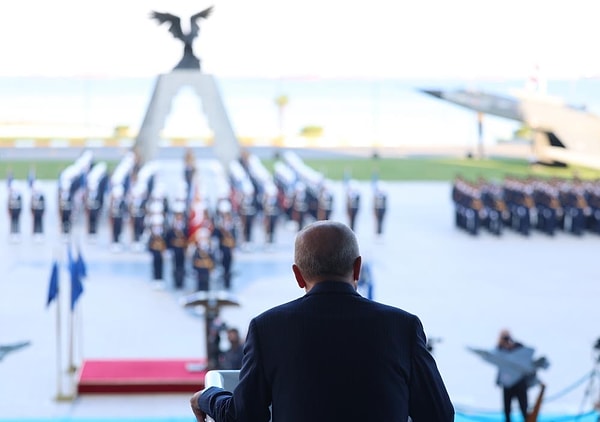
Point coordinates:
[[157, 246], [38, 207], [526, 204], [15, 206]]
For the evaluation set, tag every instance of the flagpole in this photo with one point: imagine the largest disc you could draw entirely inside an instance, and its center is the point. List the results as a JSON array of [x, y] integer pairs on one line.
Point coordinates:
[[59, 392], [60, 396]]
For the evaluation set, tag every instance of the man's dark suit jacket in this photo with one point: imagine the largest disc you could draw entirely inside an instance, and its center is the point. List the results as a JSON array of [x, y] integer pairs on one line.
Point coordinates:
[[332, 356]]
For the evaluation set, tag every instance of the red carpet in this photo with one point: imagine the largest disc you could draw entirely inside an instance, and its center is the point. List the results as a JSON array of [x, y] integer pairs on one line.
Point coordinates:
[[140, 376]]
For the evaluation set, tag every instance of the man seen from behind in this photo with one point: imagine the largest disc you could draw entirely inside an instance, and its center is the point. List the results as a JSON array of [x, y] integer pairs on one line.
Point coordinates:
[[331, 355]]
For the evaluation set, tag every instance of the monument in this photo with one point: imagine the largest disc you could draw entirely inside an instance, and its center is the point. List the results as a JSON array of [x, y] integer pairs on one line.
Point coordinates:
[[186, 73]]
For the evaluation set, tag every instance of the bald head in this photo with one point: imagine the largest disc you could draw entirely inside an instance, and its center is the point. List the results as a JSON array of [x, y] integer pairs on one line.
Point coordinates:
[[327, 250]]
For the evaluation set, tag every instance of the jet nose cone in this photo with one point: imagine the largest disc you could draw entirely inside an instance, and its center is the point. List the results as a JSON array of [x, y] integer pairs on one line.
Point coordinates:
[[433, 92]]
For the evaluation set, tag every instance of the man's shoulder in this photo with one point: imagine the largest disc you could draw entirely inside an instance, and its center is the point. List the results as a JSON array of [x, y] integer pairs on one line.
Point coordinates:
[[366, 306]]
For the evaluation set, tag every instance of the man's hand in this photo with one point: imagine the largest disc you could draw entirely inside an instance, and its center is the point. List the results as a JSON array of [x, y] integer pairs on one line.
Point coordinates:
[[200, 415]]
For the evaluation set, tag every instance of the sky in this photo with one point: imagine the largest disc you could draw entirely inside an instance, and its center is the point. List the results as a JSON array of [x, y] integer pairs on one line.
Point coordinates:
[[309, 38]]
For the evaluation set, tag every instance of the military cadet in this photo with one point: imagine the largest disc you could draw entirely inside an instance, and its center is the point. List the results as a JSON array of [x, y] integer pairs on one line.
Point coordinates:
[[495, 209], [137, 211], [572, 198], [15, 206], [93, 207], [325, 205], [65, 208], [379, 207], [247, 211], [177, 241], [38, 207], [300, 204], [270, 212], [352, 203], [203, 260], [157, 246], [593, 199], [118, 213], [225, 233]]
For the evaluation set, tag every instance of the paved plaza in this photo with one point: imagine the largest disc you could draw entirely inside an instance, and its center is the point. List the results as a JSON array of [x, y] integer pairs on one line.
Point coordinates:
[[464, 288]]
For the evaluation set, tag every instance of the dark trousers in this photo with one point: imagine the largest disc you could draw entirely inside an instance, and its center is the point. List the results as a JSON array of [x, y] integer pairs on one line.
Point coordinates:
[[37, 223], [93, 222], [157, 265], [518, 391], [178, 267], [117, 227], [203, 275], [14, 224]]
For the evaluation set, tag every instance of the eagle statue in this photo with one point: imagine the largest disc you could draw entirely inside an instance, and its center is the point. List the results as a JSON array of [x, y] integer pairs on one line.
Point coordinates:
[[189, 60]]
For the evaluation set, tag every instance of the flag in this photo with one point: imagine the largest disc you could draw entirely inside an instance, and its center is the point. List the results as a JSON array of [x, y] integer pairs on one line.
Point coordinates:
[[31, 177], [81, 267], [53, 285], [76, 286]]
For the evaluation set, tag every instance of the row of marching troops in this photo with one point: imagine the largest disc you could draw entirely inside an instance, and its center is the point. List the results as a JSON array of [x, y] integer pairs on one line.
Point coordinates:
[[15, 205], [526, 204]]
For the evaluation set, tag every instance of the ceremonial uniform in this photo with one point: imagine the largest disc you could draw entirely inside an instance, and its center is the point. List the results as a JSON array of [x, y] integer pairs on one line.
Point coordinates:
[[177, 242], [270, 214], [65, 208], [138, 215], [15, 206], [157, 246], [379, 208], [38, 207], [325, 205], [118, 211], [352, 206], [247, 214], [225, 234], [93, 205], [203, 263], [300, 205]]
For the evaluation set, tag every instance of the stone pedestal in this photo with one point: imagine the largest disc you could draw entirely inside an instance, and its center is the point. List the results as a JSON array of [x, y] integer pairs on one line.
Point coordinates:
[[226, 147]]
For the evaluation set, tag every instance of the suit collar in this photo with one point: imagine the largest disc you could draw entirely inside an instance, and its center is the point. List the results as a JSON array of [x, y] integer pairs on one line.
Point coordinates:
[[332, 287]]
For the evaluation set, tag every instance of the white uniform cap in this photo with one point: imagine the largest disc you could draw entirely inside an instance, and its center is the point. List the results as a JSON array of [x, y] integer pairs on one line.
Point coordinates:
[[117, 191], [224, 206], [157, 219], [178, 207]]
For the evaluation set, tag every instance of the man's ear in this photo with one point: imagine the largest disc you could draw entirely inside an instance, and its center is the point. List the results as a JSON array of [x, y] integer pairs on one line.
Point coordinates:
[[298, 276], [356, 268]]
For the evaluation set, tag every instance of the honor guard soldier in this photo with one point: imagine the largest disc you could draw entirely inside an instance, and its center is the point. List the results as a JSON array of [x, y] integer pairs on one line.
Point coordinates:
[[15, 206], [325, 204], [177, 243], [203, 260], [38, 207], [300, 204], [248, 212], [270, 212], [118, 211], [157, 247], [352, 203], [379, 207], [65, 209], [137, 211], [93, 205], [224, 231]]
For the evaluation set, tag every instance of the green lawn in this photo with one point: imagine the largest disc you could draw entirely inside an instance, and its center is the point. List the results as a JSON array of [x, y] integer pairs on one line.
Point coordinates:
[[389, 169], [440, 169]]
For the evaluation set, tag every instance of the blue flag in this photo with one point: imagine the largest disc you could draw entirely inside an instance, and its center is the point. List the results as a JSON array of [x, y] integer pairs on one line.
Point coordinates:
[[31, 177], [81, 267], [53, 286], [76, 285]]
